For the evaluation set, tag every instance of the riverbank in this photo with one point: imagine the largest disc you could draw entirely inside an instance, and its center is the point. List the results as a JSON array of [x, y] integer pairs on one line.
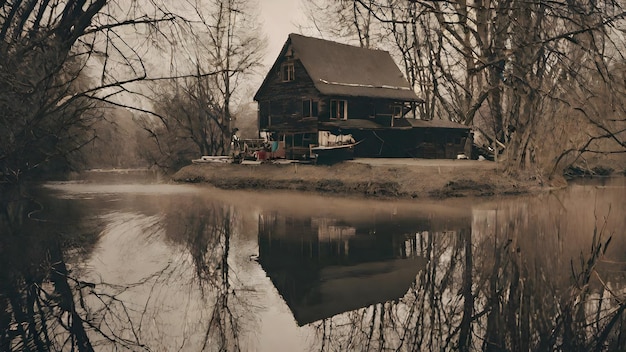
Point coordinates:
[[380, 178]]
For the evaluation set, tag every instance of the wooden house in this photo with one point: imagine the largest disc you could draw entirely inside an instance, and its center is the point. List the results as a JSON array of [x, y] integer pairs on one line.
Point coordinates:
[[319, 90]]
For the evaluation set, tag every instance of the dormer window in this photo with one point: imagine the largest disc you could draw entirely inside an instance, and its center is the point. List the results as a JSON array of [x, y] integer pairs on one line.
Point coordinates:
[[288, 72]]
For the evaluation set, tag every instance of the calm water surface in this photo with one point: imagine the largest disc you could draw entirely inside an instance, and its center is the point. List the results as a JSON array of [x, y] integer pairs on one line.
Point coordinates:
[[181, 267]]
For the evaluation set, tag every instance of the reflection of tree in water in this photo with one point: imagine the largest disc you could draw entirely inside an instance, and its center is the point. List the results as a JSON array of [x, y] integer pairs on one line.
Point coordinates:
[[541, 294], [40, 302], [494, 285], [45, 305], [206, 232], [493, 288], [423, 319], [191, 300]]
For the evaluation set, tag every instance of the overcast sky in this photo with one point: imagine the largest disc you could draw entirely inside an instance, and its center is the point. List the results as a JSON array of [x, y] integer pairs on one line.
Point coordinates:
[[279, 18]]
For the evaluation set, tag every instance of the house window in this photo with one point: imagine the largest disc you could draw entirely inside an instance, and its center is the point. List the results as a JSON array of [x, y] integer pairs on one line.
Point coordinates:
[[339, 109], [309, 108], [288, 72]]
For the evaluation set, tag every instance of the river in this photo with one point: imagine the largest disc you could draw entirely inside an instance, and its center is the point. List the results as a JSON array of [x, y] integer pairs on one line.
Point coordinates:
[[174, 267]]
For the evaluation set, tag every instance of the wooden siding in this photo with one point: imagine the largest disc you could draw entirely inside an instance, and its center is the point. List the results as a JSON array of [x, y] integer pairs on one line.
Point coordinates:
[[280, 103], [379, 110]]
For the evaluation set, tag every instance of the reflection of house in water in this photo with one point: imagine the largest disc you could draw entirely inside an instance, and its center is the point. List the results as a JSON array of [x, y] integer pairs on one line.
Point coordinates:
[[323, 267]]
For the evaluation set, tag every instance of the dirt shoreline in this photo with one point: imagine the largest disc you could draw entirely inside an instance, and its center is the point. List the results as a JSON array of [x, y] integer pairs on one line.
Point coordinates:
[[372, 178]]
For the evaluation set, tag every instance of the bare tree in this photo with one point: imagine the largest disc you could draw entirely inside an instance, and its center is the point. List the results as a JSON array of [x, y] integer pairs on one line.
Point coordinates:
[[47, 45], [342, 20], [191, 124], [234, 47], [510, 68], [226, 48]]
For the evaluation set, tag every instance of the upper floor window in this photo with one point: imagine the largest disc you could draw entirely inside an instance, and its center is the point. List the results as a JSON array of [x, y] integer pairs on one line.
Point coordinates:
[[309, 108], [288, 72], [339, 109]]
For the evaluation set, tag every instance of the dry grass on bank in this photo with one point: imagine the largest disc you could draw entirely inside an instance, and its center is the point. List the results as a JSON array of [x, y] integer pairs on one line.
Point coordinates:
[[387, 178]]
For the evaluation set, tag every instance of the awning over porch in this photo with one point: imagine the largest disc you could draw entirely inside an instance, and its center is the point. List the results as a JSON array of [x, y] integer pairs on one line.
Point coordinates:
[[362, 124]]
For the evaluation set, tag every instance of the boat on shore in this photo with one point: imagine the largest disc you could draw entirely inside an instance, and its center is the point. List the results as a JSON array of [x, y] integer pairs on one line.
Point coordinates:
[[333, 153]]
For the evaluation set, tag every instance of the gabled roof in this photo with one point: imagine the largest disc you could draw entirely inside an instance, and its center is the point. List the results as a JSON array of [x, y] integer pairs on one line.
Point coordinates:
[[346, 70]]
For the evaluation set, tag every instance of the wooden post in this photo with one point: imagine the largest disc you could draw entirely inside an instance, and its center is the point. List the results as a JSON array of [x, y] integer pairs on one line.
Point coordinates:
[[495, 150]]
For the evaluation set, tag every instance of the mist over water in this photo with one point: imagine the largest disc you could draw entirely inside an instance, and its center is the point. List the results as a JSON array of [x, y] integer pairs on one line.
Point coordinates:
[[188, 267]]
